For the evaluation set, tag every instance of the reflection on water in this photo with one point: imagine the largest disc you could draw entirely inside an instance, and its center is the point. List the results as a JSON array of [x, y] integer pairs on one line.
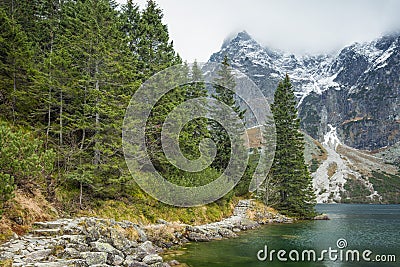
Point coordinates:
[[373, 227]]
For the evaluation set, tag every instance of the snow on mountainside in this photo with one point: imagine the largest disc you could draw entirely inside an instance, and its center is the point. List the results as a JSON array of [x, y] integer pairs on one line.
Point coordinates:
[[347, 101], [309, 73]]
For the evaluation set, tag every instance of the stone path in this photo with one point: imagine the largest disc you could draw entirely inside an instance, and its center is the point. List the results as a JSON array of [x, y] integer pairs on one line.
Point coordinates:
[[86, 242], [239, 221], [94, 242]]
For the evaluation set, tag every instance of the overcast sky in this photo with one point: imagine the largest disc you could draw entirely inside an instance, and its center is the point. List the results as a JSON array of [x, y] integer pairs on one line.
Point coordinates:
[[199, 27]]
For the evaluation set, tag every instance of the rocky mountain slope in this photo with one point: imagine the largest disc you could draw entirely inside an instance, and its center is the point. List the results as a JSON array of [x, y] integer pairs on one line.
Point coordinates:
[[348, 101]]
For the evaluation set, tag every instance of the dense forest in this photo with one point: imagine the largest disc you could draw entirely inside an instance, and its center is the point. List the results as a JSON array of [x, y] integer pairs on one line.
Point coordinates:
[[67, 72]]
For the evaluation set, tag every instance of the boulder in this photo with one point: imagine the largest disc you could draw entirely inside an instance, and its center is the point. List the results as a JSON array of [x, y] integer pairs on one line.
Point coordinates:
[[39, 255], [131, 262], [322, 217], [117, 260], [148, 247], [93, 258], [152, 259]]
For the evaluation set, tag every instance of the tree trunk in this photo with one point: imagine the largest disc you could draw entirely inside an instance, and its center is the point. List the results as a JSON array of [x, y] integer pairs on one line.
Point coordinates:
[[97, 121], [61, 118], [50, 79], [80, 195]]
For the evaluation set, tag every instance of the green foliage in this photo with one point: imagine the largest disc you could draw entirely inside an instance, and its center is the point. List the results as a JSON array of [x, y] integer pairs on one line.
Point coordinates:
[[193, 179], [224, 85], [290, 177], [242, 188], [22, 161], [387, 185], [22, 156], [356, 192], [68, 70], [6, 189], [15, 68]]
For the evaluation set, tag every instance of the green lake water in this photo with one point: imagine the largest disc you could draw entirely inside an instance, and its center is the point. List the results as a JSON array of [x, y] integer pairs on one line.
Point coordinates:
[[364, 227]]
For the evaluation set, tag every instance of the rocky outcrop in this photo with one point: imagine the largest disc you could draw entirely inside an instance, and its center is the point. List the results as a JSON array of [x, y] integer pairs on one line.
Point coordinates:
[[83, 242], [94, 242], [247, 214]]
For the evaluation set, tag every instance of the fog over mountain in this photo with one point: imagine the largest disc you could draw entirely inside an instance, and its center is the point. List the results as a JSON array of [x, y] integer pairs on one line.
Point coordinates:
[[312, 26]]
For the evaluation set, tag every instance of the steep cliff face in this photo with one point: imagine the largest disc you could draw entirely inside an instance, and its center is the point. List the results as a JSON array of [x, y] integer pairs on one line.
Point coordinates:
[[349, 103], [356, 90], [366, 108]]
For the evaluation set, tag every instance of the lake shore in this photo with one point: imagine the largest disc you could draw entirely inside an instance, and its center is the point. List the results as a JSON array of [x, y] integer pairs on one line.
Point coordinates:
[[88, 241]]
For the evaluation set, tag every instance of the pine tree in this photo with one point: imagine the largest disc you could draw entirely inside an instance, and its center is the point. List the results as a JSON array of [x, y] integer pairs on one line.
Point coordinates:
[[15, 69], [149, 40], [95, 80], [195, 130], [289, 174], [223, 85]]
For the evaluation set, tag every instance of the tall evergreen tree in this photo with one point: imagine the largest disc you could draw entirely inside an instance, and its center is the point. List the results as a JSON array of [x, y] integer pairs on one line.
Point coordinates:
[[288, 172], [149, 39], [224, 84], [93, 92], [197, 129], [15, 69]]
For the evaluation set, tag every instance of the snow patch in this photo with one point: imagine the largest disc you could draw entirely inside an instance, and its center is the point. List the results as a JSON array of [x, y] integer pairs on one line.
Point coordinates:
[[333, 173], [331, 139]]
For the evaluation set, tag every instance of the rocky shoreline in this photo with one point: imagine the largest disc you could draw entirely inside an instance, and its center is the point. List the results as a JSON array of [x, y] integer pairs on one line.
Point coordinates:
[[94, 242]]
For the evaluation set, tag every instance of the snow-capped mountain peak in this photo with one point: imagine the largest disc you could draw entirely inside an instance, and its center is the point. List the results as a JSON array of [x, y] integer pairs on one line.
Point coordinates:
[[331, 88]]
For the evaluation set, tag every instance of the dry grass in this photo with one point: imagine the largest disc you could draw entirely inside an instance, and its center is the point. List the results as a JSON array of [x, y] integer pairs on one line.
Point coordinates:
[[364, 162], [131, 233], [23, 210], [6, 263], [259, 211], [332, 168], [323, 155], [148, 212], [161, 233]]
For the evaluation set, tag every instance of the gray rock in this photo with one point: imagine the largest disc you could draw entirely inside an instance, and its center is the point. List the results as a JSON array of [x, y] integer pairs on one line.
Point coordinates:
[[134, 263], [93, 258], [148, 247], [78, 247], [226, 233], [70, 253], [76, 263], [321, 217], [197, 237], [39, 255], [131, 251], [162, 221], [142, 234], [152, 259], [117, 260], [48, 225], [119, 241], [174, 263], [140, 254], [52, 264], [92, 234], [77, 239], [46, 232], [105, 247]]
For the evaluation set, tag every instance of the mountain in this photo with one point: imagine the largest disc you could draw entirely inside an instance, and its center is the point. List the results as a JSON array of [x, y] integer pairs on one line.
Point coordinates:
[[349, 102]]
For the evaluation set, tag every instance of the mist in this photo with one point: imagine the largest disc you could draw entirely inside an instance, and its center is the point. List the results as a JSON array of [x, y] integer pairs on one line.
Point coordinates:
[[198, 28]]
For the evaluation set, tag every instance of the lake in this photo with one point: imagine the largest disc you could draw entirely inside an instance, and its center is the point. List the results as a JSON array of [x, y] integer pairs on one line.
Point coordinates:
[[370, 231]]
